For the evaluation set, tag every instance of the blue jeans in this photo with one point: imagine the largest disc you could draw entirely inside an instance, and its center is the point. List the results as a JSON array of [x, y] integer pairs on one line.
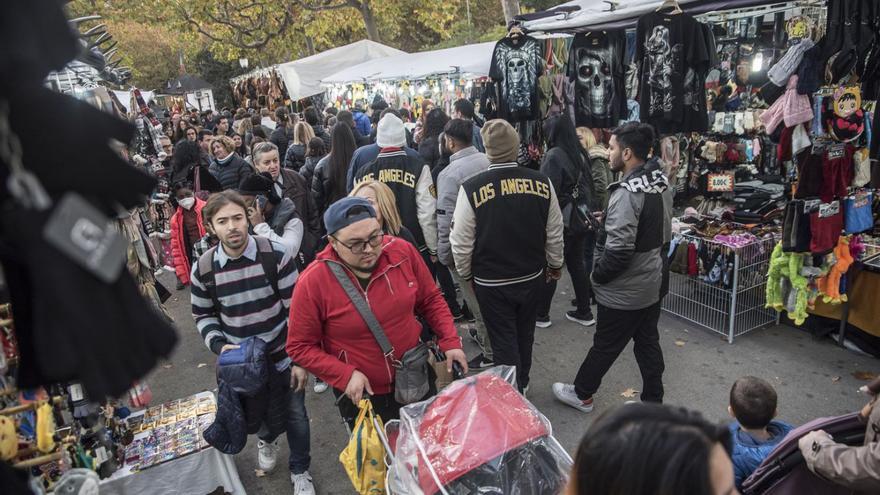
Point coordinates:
[[297, 426]]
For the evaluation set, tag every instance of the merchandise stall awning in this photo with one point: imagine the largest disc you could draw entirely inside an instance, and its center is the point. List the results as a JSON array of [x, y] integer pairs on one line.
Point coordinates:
[[186, 83], [124, 98], [467, 61], [303, 77], [583, 15]]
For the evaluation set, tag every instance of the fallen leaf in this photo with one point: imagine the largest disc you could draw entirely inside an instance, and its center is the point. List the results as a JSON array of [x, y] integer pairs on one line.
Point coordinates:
[[835, 378], [167, 366], [202, 365], [260, 473], [629, 393], [865, 376], [680, 343]]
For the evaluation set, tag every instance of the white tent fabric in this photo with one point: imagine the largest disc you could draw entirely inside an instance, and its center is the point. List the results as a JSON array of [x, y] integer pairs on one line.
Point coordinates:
[[594, 12], [466, 61], [124, 98], [303, 77]]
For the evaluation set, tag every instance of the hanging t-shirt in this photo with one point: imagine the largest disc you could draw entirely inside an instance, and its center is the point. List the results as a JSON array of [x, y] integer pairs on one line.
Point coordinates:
[[516, 65], [671, 51], [595, 65]]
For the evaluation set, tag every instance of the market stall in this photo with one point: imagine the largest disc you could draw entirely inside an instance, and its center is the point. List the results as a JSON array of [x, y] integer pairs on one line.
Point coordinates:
[[197, 92], [764, 130]]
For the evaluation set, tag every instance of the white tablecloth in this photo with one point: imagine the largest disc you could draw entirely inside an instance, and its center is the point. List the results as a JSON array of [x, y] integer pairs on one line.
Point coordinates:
[[198, 473]]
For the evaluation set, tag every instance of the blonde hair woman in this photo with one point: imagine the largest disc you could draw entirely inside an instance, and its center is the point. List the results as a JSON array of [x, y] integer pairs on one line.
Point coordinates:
[[383, 201], [599, 166], [295, 157]]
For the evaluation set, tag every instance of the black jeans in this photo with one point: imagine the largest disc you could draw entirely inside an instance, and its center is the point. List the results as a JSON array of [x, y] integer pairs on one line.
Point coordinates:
[[614, 329], [509, 312], [447, 286], [574, 260]]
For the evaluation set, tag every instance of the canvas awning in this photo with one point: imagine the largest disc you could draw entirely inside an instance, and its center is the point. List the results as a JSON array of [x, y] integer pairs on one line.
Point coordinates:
[[464, 61], [584, 15], [303, 77]]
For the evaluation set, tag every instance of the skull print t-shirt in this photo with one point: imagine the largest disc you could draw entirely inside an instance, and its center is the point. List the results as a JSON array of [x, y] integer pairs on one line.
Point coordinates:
[[595, 66], [671, 52], [516, 64]]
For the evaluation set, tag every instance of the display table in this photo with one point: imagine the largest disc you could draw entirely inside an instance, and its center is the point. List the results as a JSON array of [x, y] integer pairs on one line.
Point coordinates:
[[862, 308], [174, 467]]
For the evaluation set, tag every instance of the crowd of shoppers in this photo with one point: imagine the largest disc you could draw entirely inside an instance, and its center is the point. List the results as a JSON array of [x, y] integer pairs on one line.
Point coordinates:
[[316, 218]]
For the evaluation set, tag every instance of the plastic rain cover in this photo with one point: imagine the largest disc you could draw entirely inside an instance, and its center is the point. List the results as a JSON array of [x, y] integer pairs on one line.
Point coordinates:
[[477, 436]]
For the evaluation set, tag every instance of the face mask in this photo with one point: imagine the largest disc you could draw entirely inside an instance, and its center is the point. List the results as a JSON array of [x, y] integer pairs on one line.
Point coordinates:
[[187, 203]]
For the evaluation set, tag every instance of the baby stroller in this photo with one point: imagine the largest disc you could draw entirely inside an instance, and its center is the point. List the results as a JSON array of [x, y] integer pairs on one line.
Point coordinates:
[[784, 471], [479, 435]]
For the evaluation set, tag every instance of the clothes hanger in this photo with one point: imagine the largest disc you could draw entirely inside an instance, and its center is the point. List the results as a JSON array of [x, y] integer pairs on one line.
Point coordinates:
[[673, 4], [515, 31]]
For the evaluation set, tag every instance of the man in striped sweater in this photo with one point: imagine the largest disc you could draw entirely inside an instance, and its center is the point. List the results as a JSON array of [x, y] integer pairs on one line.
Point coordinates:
[[246, 293]]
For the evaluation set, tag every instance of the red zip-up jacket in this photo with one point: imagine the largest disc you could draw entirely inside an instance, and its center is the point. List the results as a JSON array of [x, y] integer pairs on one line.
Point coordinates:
[[178, 247], [327, 336]]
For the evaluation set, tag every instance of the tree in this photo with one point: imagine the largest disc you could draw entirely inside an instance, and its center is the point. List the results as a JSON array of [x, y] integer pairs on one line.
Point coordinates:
[[151, 51], [218, 73]]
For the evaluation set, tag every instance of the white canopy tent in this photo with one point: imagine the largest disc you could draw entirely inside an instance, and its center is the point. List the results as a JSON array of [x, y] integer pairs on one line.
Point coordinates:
[[303, 77], [604, 14], [124, 98], [464, 61]]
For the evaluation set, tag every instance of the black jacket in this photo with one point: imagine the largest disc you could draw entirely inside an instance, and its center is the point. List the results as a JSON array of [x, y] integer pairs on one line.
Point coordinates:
[[232, 173], [572, 182], [281, 137], [250, 393], [296, 188], [321, 132], [295, 157], [308, 170]]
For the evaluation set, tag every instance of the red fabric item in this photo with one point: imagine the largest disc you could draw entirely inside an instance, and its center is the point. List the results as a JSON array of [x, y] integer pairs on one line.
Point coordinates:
[[825, 232], [470, 423], [783, 149], [328, 337], [837, 175], [693, 269], [182, 266]]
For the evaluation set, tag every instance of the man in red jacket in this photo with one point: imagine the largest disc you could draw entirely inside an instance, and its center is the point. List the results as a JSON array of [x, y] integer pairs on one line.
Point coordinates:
[[327, 335]]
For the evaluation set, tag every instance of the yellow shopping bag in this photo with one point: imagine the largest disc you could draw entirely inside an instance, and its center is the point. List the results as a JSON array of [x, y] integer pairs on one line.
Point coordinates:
[[364, 456]]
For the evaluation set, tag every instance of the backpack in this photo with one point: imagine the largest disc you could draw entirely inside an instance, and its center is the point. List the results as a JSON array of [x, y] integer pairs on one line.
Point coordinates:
[[265, 255]]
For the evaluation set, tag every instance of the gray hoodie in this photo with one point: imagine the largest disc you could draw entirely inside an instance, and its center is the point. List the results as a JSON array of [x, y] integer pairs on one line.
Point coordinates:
[[628, 269], [462, 166]]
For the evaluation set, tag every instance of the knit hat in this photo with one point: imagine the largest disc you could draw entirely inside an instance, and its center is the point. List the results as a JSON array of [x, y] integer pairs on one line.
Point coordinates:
[[379, 103], [500, 140], [390, 132], [254, 185]]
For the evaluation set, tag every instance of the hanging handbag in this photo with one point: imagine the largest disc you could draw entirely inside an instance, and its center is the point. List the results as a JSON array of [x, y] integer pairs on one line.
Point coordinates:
[[575, 217], [411, 380], [364, 457]]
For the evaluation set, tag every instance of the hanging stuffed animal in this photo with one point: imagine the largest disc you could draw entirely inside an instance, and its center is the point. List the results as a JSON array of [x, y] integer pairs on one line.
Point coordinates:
[[45, 428], [846, 122], [8, 439]]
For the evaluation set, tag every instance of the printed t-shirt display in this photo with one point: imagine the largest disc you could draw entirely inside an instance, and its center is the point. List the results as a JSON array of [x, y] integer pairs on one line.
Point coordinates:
[[595, 66], [516, 65]]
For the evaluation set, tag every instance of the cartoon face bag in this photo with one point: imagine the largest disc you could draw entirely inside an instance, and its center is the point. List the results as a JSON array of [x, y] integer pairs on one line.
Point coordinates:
[[847, 121]]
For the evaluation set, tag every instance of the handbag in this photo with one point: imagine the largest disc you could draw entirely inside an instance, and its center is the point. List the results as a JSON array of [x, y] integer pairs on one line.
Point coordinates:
[[575, 217], [411, 380], [364, 457]]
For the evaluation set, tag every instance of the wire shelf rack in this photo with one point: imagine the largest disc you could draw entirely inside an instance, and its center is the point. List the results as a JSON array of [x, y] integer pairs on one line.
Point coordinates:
[[731, 309]]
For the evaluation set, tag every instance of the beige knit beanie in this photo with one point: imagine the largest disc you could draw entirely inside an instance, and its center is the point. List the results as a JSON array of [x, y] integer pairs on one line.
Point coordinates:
[[501, 141]]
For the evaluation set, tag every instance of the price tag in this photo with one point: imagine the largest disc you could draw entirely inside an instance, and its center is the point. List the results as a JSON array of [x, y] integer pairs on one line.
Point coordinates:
[[720, 182], [76, 392], [829, 209], [811, 205]]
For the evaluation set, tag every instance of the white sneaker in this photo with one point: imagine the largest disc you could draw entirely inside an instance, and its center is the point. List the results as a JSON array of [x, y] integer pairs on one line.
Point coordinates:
[[543, 322], [321, 387], [302, 484], [267, 455], [565, 393]]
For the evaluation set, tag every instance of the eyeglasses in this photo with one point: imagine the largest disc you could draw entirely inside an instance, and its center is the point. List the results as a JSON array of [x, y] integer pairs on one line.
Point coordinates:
[[359, 246]]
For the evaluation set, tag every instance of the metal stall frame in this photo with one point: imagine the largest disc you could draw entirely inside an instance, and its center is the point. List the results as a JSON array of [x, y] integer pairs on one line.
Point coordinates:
[[730, 312]]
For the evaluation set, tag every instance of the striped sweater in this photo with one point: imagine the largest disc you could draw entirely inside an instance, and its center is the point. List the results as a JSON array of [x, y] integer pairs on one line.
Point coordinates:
[[248, 304]]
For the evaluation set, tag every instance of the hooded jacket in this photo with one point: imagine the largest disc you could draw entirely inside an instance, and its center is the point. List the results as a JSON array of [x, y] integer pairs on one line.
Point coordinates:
[[748, 452], [295, 157], [602, 174], [573, 184], [627, 268], [329, 338], [295, 187], [284, 227], [362, 123], [462, 166], [181, 259]]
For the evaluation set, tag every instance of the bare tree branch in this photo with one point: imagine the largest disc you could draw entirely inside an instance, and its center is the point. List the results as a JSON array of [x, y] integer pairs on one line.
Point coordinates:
[[329, 5], [252, 36]]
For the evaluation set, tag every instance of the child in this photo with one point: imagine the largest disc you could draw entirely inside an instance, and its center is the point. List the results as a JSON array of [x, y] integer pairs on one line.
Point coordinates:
[[754, 433], [187, 229]]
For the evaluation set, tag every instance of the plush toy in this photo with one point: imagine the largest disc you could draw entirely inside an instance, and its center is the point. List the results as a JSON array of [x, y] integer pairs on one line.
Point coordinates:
[[8, 439], [45, 428], [830, 284], [847, 121], [787, 266]]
